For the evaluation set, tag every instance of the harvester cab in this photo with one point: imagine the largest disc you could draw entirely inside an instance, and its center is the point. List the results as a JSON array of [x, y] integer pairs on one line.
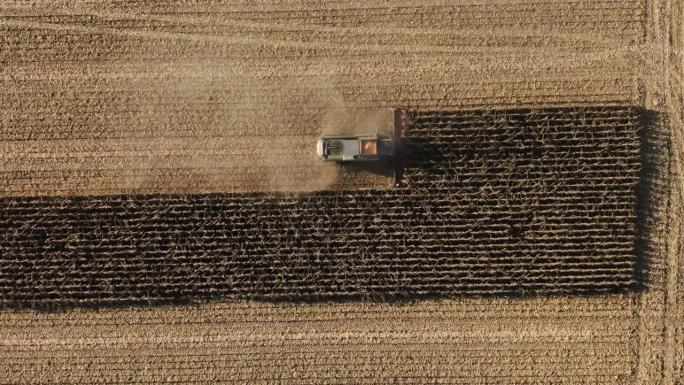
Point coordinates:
[[355, 148], [366, 147]]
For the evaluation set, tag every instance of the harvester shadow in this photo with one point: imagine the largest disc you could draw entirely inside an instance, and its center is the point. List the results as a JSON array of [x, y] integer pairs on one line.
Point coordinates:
[[416, 153], [423, 153], [352, 170]]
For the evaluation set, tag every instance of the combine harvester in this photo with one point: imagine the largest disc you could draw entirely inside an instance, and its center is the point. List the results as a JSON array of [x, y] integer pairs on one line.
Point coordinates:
[[367, 147]]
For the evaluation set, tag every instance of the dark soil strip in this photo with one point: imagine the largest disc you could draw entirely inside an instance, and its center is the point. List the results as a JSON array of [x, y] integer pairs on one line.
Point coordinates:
[[493, 202]]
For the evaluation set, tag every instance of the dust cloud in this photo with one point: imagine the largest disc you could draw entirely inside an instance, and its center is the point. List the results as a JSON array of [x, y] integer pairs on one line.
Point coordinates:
[[231, 129]]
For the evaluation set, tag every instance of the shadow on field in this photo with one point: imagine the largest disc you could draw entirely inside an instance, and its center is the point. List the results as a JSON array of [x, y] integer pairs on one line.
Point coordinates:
[[419, 153], [383, 169], [652, 191]]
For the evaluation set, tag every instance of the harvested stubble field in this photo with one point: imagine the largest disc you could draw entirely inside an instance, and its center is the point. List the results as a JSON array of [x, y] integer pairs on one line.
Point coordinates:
[[172, 97]]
